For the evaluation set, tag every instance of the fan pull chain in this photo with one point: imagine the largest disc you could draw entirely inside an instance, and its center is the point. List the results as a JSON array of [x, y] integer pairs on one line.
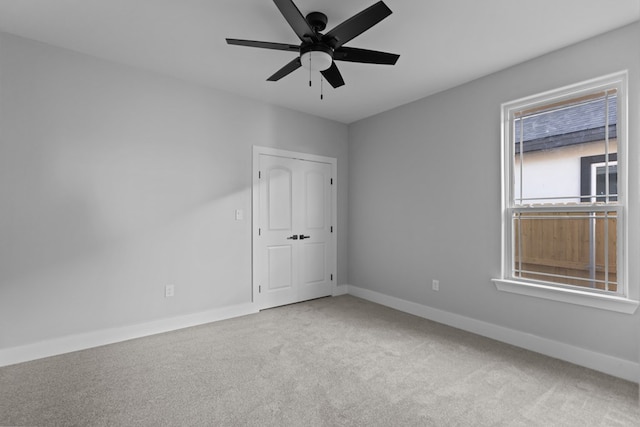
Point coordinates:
[[309, 70], [321, 87]]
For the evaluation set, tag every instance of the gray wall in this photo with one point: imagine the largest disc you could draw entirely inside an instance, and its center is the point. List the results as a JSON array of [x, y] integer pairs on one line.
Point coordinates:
[[115, 182], [424, 186]]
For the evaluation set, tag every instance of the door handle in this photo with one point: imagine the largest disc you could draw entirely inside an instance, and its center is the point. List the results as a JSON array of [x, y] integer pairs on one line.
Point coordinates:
[[294, 237], [304, 237]]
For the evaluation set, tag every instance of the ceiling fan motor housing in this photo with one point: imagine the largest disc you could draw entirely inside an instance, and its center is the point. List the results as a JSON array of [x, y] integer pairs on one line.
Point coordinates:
[[316, 56], [317, 20]]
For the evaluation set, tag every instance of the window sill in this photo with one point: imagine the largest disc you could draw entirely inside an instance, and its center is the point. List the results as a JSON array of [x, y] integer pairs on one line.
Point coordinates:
[[604, 302]]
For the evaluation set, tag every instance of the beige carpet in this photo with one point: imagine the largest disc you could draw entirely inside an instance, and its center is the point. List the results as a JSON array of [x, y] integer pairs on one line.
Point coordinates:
[[330, 362]]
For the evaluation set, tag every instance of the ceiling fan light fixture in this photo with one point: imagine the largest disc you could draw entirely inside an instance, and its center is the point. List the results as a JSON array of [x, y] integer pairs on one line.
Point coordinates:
[[316, 58]]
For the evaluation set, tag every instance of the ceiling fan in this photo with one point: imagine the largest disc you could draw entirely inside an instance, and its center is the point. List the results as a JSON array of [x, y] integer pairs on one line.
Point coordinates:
[[318, 51]]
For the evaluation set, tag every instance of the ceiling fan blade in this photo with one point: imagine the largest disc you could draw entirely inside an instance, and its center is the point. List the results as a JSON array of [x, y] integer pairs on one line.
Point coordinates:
[[264, 45], [356, 25], [295, 19], [352, 54], [287, 69], [333, 76]]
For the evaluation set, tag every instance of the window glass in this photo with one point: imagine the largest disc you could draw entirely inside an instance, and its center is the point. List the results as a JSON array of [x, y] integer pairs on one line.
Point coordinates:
[[570, 248], [548, 146]]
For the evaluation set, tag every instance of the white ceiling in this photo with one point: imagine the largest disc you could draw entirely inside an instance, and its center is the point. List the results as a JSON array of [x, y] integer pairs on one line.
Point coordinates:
[[442, 43]]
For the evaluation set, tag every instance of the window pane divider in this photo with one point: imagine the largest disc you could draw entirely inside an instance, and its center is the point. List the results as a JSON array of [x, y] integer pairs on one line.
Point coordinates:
[[561, 209], [568, 196]]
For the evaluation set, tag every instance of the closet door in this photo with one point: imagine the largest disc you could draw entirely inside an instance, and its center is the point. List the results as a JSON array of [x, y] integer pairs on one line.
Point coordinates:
[[294, 250]]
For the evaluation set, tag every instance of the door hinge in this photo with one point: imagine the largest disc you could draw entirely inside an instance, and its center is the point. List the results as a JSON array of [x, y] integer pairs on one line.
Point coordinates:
[[331, 229], [259, 175], [259, 231], [332, 277], [331, 181], [259, 289]]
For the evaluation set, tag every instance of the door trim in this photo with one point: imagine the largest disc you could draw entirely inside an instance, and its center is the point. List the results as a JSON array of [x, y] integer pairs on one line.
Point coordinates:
[[255, 218]]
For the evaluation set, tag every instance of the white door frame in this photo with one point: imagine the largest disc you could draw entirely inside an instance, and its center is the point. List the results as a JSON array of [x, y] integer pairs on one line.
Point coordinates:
[[255, 197]]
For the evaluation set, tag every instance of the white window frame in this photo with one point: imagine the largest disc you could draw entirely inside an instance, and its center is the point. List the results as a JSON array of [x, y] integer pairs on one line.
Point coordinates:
[[594, 176], [620, 302]]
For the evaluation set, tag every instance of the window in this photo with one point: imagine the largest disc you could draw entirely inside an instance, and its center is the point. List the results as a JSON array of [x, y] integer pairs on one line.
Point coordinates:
[[592, 177], [564, 194]]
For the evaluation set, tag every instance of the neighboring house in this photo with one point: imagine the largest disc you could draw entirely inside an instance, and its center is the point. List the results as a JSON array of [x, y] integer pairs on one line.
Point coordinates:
[[563, 149]]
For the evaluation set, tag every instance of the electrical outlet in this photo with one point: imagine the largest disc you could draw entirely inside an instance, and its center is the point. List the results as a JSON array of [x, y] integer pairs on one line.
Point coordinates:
[[169, 291], [435, 285]]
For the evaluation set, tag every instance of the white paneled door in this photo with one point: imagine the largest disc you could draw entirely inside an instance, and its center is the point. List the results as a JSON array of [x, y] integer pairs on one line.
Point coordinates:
[[294, 248]]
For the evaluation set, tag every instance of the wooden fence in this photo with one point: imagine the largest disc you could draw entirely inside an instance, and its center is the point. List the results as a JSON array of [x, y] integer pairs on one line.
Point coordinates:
[[567, 248]]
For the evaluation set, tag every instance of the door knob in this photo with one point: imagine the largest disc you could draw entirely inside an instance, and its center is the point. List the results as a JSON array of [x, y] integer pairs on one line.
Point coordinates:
[[294, 237], [304, 237]]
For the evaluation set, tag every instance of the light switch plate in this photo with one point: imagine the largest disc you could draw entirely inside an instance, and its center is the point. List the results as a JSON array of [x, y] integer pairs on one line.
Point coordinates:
[[169, 291]]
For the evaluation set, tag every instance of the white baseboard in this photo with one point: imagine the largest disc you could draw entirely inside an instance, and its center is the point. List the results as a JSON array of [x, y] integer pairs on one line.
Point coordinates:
[[614, 366], [625, 369], [56, 346]]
